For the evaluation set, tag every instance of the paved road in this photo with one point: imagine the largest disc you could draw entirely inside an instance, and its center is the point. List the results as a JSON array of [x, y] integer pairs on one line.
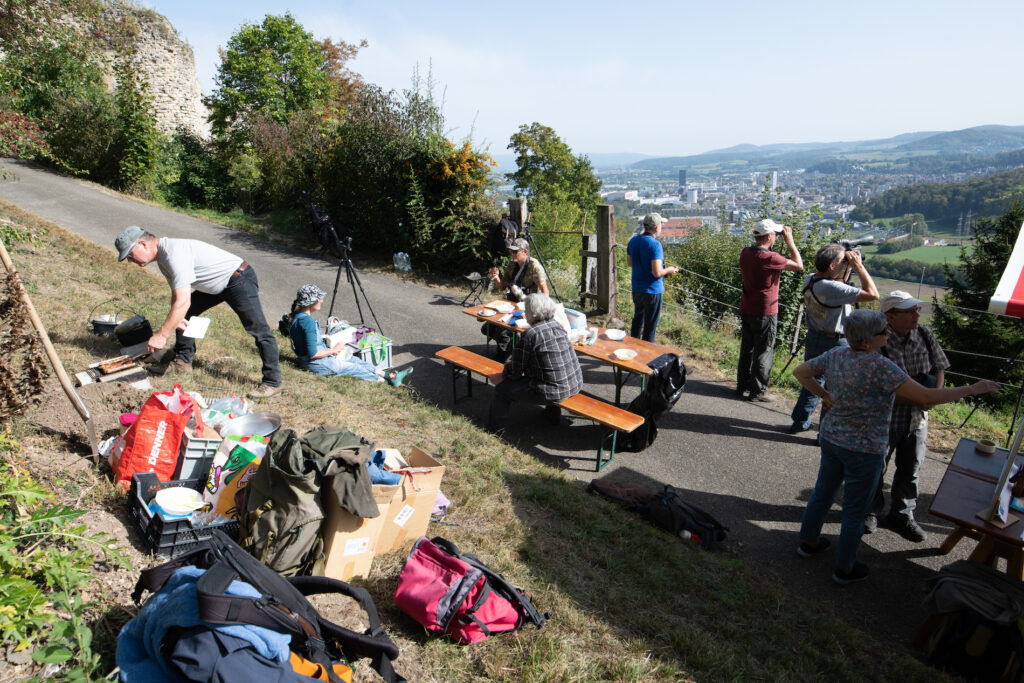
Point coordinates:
[[732, 457]]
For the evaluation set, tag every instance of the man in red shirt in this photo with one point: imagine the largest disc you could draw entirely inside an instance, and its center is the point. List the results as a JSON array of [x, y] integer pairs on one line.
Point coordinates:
[[759, 306]]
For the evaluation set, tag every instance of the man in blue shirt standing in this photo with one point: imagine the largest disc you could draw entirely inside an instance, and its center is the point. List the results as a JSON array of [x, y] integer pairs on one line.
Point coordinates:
[[647, 259]]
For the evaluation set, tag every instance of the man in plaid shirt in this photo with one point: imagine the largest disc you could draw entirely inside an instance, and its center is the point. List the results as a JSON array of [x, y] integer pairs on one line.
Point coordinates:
[[543, 368], [916, 351]]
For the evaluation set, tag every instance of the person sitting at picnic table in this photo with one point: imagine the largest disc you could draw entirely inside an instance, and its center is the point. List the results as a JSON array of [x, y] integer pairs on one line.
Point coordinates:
[[861, 385], [543, 368], [524, 274], [313, 354]]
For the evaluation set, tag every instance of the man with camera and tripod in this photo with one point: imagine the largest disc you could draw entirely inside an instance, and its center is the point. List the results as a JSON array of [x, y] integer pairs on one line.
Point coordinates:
[[827, 301]]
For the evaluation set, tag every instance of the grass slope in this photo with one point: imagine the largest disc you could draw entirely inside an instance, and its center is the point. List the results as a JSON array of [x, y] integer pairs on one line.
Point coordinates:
[[629, 603]]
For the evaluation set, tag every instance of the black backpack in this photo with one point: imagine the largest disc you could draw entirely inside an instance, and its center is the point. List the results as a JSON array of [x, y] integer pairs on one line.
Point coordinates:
[[501, 238], [664, 387], [673, 514], [282, 605]]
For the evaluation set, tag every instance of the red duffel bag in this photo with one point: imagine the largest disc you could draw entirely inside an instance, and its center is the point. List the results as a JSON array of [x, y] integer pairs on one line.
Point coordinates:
[[455, 593], [151, 443]]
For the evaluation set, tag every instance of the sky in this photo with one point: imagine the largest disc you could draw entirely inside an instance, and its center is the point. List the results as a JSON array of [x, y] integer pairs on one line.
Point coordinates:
[[667, 78]]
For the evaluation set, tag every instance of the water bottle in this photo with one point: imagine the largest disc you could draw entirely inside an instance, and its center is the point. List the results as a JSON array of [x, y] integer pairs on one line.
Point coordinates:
[[689, 536], [402, 264]]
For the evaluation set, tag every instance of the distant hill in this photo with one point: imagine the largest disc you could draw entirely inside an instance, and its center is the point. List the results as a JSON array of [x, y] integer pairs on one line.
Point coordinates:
[[616, 160], [900, 149], [989, 196], [979, 140]]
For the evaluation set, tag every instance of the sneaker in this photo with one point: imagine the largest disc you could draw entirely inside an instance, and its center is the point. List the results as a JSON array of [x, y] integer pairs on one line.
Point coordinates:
[[870, 523], [759, 398], [176, 366], [807, 550], [797, 428], [907, 528], [395, 377], [264, 391], [844, 577]]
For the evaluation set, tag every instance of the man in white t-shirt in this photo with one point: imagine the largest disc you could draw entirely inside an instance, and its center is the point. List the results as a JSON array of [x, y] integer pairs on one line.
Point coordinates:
[[201, 276]]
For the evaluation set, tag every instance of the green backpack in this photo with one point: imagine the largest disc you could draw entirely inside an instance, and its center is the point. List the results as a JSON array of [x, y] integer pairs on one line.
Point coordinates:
[[284, 511]]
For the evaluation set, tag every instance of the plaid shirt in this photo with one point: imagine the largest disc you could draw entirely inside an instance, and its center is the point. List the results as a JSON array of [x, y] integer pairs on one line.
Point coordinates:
[[546, 357], [911, 354]]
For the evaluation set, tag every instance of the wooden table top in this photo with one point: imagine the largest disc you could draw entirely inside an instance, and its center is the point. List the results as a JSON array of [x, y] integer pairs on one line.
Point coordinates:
[[967, 488], [603, 349]]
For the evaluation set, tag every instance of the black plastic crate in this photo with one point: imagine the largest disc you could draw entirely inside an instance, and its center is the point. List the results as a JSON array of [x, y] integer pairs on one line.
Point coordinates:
[[168, 537]]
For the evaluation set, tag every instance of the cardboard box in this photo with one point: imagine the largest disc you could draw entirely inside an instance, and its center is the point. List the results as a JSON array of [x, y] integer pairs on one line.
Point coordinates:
[[409, 512], [350, 541]]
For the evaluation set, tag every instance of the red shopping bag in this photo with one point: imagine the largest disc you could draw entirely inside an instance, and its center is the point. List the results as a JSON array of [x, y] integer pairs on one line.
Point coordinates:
[[151, 443]]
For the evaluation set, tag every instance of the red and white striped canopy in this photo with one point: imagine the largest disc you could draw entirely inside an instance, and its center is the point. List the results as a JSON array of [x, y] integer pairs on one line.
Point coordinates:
[[1008, 298]]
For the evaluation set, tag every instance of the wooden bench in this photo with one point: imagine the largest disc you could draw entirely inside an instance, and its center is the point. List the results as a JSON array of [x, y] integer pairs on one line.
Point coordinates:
[[613, 419]]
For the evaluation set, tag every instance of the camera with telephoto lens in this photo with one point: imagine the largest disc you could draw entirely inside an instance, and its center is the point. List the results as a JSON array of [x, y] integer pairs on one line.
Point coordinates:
[[855, 245], [332, 237]]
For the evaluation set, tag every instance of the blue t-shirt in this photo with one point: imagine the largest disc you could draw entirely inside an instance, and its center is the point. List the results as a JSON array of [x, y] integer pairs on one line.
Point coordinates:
[[306, 337], [861, 385], [643, 249]]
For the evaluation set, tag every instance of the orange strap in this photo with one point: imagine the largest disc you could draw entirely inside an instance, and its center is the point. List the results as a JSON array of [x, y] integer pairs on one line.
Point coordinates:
[[317, 672]]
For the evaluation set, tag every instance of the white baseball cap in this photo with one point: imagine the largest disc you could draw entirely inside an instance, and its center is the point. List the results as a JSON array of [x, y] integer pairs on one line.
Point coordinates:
[[766, 227], [898, 300]]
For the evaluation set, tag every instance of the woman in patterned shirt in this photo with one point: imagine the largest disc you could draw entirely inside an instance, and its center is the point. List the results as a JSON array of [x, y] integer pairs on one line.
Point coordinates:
[[854, 434]]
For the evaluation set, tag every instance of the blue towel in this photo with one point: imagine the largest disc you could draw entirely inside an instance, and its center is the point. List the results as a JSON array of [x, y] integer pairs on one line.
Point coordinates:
[[139, 643], [379, 475]]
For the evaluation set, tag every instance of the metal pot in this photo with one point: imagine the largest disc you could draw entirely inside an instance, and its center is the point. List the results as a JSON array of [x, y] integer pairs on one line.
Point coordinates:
[[253, 424], [133, 331]]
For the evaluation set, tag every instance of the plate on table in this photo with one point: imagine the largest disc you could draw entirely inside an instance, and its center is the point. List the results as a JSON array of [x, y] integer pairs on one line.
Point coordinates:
[[624, 354], [615, 335], [504, 308], [486, 312]]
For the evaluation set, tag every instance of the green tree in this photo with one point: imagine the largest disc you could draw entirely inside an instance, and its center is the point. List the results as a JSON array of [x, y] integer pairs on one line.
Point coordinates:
[[971, 286], [548, 170], [138, 141], [276, 69]]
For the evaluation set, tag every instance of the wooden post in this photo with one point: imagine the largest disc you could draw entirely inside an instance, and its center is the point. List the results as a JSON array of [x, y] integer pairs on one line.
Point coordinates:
[[588, 270], [517, 210], [607, 287]]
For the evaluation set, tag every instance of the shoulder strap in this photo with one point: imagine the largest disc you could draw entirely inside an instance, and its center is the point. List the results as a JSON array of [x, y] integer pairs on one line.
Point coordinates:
[[929, 341], [809, 287], [498, 583], [154, 578]]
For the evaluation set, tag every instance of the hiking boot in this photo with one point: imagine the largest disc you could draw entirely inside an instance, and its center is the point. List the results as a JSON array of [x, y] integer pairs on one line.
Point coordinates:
[[870, 523], [176, 366], [796, 428], [907, 528], [810, 550], [759, 398], [844, 577], [264, 391]]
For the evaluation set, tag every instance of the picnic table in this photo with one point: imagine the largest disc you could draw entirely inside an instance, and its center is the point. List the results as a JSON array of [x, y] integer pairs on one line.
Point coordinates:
[[966, 489], [603, 349]]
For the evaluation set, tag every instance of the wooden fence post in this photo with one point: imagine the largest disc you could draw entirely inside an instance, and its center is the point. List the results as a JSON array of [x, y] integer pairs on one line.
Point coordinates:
[[607, 288], [517, 210], [588, 270]]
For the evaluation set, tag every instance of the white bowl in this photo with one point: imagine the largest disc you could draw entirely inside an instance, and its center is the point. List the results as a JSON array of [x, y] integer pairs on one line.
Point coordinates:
[[624, 354], [615, 335], [179, 501]]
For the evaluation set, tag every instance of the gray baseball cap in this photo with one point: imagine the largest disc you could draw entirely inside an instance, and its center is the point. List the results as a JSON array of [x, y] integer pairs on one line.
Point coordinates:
[[126, 240]]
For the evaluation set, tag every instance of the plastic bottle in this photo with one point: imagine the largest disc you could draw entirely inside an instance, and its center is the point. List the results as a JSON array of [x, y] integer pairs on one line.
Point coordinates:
[[689, 536], [401, 260]]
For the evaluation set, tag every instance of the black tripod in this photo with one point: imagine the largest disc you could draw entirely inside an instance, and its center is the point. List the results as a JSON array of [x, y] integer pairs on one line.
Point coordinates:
[[341, 250], [534, 249]]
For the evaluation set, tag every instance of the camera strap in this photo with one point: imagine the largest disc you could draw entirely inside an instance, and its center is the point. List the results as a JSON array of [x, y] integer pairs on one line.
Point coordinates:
[[810, 288]]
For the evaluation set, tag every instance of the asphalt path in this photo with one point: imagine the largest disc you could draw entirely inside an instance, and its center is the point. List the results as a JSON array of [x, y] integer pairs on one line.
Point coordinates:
[[733, 458]]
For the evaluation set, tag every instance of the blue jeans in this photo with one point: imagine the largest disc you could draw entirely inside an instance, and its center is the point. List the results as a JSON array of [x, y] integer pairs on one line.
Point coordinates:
[[814, 345], [646, 313], [242, 294], [354, 367], [909, 450], [757, 352], [858, 473]]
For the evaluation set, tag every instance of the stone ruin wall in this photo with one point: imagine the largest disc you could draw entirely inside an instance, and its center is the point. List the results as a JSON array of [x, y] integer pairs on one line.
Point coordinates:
[[169, 65]]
